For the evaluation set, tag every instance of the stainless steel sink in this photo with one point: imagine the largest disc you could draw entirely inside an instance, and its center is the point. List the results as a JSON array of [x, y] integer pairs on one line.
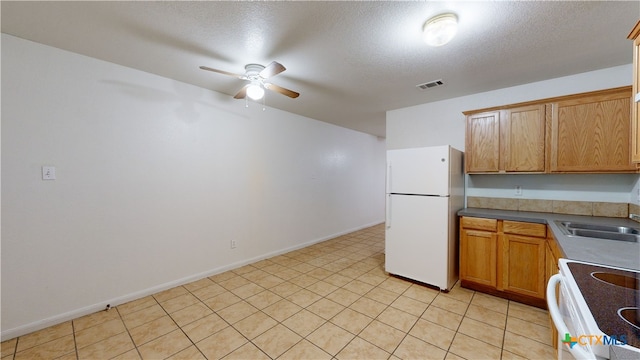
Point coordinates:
[[605, 232], [607, 228]]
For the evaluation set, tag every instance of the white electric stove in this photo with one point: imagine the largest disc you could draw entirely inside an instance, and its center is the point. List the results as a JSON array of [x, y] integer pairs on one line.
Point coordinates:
[[599, 307]]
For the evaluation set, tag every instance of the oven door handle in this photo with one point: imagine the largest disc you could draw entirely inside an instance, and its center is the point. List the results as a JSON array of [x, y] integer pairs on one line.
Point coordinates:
[[577, 351]]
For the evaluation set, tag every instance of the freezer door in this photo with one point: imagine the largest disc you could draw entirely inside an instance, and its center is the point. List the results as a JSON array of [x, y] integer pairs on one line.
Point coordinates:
[[419, 171], [418, 239]]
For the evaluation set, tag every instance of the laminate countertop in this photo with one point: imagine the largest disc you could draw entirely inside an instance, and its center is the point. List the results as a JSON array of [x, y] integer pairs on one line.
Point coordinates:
[[622, 254]]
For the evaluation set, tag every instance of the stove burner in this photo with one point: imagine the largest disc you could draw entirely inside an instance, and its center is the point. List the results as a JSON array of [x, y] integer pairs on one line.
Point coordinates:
[[630, 315], [617, 279], [612, 297]]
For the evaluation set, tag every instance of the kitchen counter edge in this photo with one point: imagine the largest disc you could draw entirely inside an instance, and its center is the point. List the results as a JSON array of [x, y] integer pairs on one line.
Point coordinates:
[[605, 252]]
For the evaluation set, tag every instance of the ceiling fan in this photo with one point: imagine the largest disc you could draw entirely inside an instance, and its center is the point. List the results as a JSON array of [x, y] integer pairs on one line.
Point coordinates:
[[256, 74]]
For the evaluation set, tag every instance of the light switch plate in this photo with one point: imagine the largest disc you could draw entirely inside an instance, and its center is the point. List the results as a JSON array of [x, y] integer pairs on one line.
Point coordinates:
[[48, 173]]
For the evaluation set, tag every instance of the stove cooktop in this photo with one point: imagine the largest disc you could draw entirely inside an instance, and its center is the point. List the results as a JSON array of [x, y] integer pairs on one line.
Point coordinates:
[[613, 297]]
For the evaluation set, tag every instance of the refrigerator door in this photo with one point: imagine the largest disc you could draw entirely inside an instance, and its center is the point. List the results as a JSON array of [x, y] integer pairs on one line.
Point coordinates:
[[419, 171], [418, 239]]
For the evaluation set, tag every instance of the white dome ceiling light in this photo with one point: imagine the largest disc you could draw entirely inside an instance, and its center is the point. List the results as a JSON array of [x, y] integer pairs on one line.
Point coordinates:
[[440, 29], [255, 91]]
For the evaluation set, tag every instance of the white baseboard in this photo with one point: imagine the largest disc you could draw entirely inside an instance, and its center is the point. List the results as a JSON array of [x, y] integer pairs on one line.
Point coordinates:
[[74, 314]]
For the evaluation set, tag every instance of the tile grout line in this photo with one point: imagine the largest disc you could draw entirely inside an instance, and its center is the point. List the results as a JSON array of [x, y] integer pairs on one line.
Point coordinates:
[[457, 328], [128, 333], [504, 334]]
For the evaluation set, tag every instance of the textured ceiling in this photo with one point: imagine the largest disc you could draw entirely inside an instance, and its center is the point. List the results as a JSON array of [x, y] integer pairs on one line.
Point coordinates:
[[351, 61]]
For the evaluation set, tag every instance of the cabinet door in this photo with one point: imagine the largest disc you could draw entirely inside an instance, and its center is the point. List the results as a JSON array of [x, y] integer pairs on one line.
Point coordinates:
[[635, 108], [524, 139], [483, 142], [478, 252], [523, 263], [551, 263], [551, 268], [591, 133]]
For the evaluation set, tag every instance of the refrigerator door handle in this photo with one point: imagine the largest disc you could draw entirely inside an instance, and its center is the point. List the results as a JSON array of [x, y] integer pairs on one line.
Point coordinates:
[[388, 177], [388, 217]]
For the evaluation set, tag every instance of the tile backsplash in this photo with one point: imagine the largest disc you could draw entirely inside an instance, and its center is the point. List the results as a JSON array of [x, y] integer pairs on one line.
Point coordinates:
[[590, 208], [634, 209]]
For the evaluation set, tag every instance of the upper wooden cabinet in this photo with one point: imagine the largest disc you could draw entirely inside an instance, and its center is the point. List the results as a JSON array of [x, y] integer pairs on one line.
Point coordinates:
[[483, 136], [590, 133], [635, 109], [582, 133], [509, 140], [524, 139]]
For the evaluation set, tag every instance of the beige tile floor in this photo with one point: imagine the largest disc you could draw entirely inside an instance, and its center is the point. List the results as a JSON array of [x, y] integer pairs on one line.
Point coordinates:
[[332, 300]]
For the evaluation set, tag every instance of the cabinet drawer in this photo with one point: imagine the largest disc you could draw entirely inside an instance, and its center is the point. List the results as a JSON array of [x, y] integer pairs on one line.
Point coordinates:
[[524, 228], [479, 223]]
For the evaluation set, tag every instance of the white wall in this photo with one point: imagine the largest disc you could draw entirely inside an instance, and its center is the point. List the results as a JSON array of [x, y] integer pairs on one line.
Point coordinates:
[[442, 122], [154, 179]]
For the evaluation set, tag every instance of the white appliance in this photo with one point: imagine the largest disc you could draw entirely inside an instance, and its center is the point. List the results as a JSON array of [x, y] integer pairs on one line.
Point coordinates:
[[425, 190], [597, 308]]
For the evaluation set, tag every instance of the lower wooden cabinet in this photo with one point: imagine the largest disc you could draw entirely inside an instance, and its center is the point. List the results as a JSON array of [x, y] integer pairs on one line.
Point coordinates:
[[504, 258], [523, 265], [478, 252], [510, 259], [552, 254]]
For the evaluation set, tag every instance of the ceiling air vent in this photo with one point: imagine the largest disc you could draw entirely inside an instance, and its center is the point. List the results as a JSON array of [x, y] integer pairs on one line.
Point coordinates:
[[430, 84]]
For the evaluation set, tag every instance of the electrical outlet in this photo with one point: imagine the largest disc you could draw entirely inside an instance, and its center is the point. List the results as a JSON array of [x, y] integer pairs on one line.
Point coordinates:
[[518, 190], [233, 244]]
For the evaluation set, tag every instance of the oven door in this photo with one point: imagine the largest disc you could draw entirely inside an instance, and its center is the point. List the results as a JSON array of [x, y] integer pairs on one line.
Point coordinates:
[[567, 320]]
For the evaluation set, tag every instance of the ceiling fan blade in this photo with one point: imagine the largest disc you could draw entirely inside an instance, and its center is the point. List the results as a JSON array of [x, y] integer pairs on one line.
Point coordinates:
[[239, 76], [242, 93], [281, 90], [272, 69]]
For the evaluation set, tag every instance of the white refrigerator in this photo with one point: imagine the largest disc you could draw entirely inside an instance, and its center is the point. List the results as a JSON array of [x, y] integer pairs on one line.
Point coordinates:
[[425, 190]]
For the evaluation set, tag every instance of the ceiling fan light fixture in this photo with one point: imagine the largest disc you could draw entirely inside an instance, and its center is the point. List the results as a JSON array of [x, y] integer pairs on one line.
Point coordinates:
[[255, 91], [255, 74], [440, 29]]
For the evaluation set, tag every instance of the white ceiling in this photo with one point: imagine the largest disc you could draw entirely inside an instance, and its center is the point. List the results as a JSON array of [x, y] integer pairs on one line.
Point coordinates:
[[351, 61]]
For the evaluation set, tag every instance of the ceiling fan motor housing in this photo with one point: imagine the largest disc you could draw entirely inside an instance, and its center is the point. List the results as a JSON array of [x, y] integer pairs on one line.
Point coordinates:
[[252, 71]]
